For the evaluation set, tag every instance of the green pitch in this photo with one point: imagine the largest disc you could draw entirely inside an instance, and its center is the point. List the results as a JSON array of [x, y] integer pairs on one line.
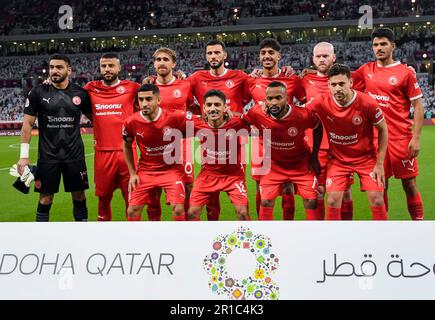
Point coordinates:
[[18, 207]]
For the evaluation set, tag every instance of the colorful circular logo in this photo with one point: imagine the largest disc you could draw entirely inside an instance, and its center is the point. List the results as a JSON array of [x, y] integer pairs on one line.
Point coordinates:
[[259, 285], [76, 100]]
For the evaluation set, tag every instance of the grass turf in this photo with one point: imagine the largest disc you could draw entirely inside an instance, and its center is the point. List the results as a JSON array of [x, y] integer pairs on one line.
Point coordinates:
[[16, 207]]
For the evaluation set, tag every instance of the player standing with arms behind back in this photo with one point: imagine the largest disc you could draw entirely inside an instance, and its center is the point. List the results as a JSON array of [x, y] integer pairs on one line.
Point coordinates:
[[395, 87], [58, 107], [113, 101]]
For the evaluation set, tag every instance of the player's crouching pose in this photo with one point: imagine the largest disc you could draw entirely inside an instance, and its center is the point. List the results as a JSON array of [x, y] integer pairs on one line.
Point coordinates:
[[150, 128], [349, 117], [222, 169], [291, 160]]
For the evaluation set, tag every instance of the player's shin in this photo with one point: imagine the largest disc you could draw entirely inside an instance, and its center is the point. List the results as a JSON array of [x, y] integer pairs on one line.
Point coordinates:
[[80, 210], [415, 206], [214, 208], [104, 209], [43, 212], [288, 206]]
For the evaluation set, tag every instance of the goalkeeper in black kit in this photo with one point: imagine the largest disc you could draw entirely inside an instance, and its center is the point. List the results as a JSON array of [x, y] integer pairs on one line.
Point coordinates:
[[58, 107]]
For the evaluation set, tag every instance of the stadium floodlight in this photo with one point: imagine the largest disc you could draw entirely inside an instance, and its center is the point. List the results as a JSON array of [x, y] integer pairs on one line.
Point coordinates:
[[52, 40], [198, 34], [428, 22], [71, 39], [154, 36], [322, 6], [114, 38], [424, 55]]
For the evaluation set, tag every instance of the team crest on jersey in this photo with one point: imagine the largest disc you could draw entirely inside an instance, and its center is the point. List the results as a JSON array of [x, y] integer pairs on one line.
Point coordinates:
[[229, 84], [357, 120], [328, 182], [293, 132], [120, 89], [176, 93], [76, 100], [393, 80]]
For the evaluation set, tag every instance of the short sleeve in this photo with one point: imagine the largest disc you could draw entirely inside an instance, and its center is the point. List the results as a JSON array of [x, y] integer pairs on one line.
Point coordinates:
[[86, 106], [358, 79], [31, 106], [127, 131], [413, 90]]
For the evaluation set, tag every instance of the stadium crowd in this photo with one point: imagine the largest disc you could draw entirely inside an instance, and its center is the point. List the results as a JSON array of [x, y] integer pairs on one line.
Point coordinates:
[[24, 17]]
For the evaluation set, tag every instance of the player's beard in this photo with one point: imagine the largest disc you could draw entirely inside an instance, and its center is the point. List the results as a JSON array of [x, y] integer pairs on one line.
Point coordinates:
[[59, 78], [269, 67], [163, 72], [217, 66], [110, 78], [274, 110]]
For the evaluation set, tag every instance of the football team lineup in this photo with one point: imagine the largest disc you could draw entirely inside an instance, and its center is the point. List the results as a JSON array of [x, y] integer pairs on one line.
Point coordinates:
[[350, 133]]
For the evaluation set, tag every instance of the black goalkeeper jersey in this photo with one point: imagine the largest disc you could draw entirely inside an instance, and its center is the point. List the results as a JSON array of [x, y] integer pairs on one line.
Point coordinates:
[[58, 113]]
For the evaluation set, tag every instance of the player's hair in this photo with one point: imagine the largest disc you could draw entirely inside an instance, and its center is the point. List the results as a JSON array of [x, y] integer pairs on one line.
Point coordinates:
[[149, 87], [383, 33], [62, 57], [110, 56], [337, 69], [216, 93], [277, 84], [270, 43], [216, 42], [168, 51]]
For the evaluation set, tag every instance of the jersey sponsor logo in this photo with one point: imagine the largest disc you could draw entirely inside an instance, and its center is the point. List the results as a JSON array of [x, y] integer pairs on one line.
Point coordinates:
[[370, 75], [293, 132], [393, 80], [204, 83], [312, 82], [99, 106], [46, 100], [140, 134], [259, 86], [379, 97], [176, 93], [76, 100], [60, 119], [120, 89], [229, 84], [335, 138], [357, 120]]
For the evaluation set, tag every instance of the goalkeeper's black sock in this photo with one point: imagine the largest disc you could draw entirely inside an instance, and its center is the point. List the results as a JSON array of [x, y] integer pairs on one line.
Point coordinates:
[[80, 211], [43, 212]]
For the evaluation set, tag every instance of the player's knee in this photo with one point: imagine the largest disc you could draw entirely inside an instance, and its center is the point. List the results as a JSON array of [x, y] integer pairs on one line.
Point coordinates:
[[321, 192], [178, 210], [267, 203], [377, 199], [46, 199], [347, 196], [133, 211], [310, 204], [242, 213], [78, 196], [410, 186], [333, 201], [194, 213]]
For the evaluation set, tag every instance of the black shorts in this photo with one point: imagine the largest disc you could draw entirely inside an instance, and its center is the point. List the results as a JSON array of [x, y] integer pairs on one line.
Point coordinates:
[[75, 177]]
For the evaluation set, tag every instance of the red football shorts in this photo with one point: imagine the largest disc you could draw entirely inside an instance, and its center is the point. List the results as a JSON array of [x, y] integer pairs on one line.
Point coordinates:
[[170, 180], [208, 184], [305, 182], [339, 176], [397, 161], [110, 172]]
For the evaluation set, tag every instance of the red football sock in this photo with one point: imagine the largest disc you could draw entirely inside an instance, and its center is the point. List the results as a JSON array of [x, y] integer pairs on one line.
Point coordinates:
[[213, 208], [386, 199], [258, 202], [333, 213], [415, 206], [104, 209], [347, 210], [138, 218], [320, 209], [179, 218], [379, 213], [288, 206], [311, 214], [266, 213]]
